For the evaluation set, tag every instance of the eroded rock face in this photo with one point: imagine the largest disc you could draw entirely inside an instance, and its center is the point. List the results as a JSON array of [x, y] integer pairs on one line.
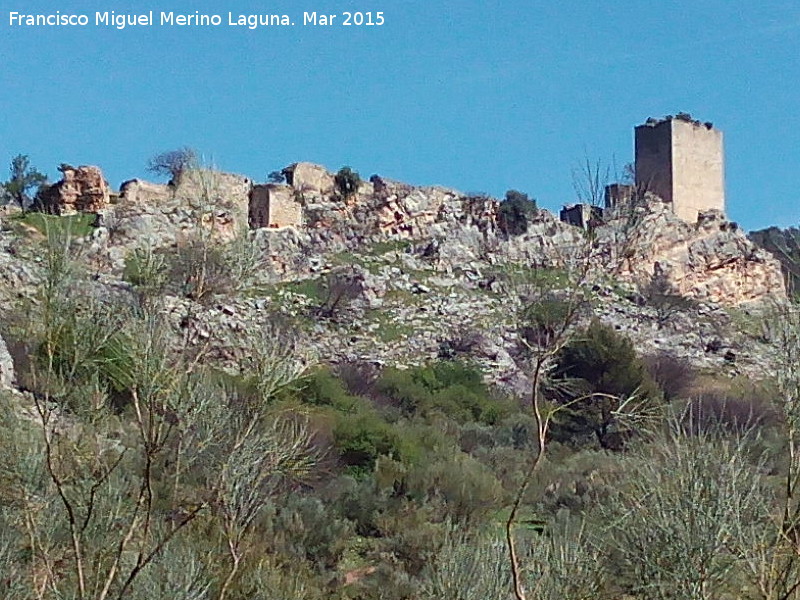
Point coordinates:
[[6, 366], [710, 261], [81, 189]]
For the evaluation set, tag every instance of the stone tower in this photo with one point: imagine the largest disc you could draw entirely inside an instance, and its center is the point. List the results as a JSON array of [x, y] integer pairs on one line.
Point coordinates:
[[680, 160]]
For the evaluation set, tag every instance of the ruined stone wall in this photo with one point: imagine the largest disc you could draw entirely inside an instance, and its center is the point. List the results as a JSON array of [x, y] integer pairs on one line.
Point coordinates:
[[140, 192], [654, 159], [698, 170], [619, 194], [274, 206], [284, 209], [258, 211], [580, 215], [81, 189]]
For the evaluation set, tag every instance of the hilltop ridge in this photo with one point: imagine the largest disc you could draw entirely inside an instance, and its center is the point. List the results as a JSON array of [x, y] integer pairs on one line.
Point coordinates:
[[412, 266]]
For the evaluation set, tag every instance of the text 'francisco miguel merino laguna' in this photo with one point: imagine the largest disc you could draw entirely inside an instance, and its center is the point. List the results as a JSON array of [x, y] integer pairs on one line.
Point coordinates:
[[196, 19]]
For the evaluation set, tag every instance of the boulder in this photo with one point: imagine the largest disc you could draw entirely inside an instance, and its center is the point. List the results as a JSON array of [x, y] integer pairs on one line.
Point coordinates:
[[309, 178]]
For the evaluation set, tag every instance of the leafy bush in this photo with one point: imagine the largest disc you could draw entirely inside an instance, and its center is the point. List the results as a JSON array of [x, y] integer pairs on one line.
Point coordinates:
[[360, 433], [347, 181], [305, 529], [468, 566], [469, 490], [514, 212], [323, 388], [146, 269], [452, 388], [363, 437]]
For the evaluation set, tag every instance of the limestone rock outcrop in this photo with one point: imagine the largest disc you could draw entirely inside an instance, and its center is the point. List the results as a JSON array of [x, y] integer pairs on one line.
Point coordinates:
[[81, 189], [305, 222], [710, 261]]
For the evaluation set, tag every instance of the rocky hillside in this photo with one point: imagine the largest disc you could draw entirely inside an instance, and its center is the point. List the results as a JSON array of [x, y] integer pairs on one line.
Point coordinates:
[[398, 274]]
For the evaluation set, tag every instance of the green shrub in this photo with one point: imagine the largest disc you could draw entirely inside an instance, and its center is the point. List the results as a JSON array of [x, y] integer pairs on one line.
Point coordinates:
[[403, 390], [362, 438], [470, 491], [514, 212], [451, 388], [323, 388], [145, 269], [305, 529], [607, 370], [360, 433]]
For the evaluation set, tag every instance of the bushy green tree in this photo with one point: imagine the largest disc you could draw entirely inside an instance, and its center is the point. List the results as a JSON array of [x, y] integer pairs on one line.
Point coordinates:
[[451, 388], [347, 181], [606, 370], [23, 183]]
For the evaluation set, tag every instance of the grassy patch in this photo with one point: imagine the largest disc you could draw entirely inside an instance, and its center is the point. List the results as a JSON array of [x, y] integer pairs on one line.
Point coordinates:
[[544, 278], [403, 298], [348, 258], [311, 288], [79, 225], [380, 248], [391, 331]]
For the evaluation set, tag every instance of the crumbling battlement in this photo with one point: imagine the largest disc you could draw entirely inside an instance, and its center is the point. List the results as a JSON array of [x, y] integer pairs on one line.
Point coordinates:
[[81, 189]]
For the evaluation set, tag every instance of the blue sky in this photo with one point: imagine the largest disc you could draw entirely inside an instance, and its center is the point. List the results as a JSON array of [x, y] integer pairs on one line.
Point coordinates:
[[482, 97]]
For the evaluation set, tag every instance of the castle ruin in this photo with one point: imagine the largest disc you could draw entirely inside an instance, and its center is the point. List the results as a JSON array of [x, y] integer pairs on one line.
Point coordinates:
[[274, 205], [680, 160]]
